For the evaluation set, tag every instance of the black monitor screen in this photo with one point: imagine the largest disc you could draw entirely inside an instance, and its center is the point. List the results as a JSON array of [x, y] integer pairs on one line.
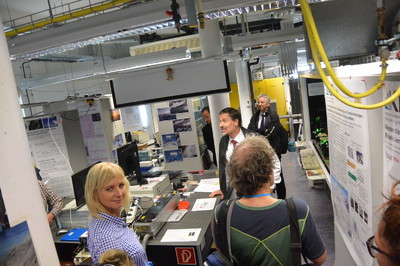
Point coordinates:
[[128, 159], [78, 184]]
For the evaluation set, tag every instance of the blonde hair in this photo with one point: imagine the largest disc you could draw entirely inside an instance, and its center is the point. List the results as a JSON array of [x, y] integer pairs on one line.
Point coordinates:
[[116, 257], [98, 177]]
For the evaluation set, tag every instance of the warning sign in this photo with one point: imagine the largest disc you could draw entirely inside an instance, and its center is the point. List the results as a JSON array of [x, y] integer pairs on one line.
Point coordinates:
[[186, 256]]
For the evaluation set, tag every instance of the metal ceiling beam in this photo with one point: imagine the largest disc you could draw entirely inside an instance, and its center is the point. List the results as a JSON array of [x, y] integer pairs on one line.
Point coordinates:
[[127, 18]]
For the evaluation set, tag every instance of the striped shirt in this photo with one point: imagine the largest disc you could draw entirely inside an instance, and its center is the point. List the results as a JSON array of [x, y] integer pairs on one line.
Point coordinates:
[[111, 232]]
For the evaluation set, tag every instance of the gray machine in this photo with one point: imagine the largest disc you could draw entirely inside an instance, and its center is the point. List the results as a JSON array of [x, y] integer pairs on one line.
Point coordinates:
[[156, 216]]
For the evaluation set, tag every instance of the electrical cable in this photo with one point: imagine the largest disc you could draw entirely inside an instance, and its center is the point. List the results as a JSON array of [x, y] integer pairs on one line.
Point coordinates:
[[318, 51], [145, 240], [58, 147], [321, 52]]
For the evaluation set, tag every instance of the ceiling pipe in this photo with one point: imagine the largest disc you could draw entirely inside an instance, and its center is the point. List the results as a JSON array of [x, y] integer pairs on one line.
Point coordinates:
[[69, 16]]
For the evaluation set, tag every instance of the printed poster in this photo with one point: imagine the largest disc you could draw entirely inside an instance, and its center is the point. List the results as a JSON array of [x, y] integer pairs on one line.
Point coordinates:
[[16, 246], [391, 138], [49, 152], [92, 128], [350, 171]]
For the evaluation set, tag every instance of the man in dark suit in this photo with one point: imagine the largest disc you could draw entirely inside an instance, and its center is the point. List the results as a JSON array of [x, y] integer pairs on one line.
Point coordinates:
[[230, 122], [207, 132], [266, 122]]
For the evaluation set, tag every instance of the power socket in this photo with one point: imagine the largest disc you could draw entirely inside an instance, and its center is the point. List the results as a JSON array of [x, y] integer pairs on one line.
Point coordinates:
[[258, 76]]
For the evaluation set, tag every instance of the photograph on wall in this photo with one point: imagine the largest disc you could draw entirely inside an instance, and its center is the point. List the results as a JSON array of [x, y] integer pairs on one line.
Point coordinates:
[[16, 247], [35, 124], [165, 114], [171, 140], [96, 117], [179, 106], [188, 151], [182, 125], [115, 115], [118, 141], [50, 122], [173, 156]]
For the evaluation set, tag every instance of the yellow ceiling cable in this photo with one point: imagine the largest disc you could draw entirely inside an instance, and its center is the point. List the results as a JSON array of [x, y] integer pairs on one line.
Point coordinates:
[[318, 51]]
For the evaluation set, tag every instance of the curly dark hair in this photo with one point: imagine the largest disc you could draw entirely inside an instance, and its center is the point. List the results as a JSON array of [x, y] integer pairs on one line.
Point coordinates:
[[251, 164], [390, 223]]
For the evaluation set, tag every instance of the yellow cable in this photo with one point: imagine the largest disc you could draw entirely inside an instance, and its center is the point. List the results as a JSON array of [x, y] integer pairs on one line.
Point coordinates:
[[309, 17], [336, 93]]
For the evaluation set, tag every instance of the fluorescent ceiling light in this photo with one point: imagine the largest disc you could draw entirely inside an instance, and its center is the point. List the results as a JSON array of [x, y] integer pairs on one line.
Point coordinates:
[[170, 56], [147, 60]]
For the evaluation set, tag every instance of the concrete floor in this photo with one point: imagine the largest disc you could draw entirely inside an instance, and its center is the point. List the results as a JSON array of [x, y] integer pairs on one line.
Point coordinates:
[[317, 197]]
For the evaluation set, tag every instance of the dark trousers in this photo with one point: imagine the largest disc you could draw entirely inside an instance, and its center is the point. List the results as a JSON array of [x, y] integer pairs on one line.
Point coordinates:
[[281, 188]]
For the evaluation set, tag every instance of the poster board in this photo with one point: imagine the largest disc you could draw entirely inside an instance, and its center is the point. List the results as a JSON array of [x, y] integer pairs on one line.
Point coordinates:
[[49, 152], [349, 153], [391, 138], [177, 127]]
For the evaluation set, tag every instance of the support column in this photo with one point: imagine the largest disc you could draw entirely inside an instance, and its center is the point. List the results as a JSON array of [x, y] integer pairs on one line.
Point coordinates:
[[242, 77], [211, 45], [18, 180]]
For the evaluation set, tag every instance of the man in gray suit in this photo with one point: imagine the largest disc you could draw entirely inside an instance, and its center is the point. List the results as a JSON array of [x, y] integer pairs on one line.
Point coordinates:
[[230, 122]]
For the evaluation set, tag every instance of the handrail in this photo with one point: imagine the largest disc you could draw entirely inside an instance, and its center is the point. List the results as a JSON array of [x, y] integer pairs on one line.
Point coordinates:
[[67, 16]]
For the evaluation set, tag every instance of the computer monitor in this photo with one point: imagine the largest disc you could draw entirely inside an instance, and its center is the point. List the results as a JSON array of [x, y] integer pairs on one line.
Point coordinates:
[[78, 184], [128, 159]]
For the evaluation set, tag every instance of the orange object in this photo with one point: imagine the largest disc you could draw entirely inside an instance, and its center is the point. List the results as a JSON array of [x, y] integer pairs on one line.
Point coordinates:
[[183, 205]]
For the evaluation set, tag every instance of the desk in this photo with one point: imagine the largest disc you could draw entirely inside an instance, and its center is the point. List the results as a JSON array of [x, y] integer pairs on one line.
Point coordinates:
[[194, 253], [168, 253]]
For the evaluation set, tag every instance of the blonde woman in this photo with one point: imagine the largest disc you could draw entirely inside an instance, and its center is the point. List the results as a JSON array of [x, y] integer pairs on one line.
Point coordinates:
[[107, 194]]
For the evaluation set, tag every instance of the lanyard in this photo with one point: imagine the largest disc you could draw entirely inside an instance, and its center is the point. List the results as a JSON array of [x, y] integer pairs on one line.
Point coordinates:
[[257, 196]]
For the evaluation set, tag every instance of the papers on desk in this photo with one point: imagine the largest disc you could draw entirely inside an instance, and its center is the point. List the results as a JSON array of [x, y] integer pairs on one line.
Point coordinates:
[[208, 185], [181, 235], [206, 204]]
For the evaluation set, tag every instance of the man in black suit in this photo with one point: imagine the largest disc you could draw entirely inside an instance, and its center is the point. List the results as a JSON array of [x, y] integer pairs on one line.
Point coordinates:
[[207, 132], [230, 122], [266, 122]]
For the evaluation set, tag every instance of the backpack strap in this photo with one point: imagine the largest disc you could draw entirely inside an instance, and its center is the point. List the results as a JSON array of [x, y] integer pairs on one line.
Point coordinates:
[[295, 245], [223, 227], [228, 229]]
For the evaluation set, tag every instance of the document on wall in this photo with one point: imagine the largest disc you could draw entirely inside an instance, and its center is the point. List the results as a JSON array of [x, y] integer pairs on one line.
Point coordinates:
[[350, 170], [49, 152], [208, 185], [93, 132], [206, 204], [391, 138], [181, 235]]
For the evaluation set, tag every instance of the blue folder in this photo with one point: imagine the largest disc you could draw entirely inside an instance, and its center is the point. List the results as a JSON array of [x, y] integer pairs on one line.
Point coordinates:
[[74, 234]]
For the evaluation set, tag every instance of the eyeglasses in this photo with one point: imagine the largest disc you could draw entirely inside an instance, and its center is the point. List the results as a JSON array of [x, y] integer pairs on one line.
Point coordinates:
[[374, 250]]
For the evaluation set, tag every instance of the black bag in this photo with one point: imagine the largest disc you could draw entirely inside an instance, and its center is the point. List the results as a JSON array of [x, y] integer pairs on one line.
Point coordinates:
[[205, 157], [283, 138], [223, 257]]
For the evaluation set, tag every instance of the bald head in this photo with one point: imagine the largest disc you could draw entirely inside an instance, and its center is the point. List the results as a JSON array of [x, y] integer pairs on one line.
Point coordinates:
[[251, 164]]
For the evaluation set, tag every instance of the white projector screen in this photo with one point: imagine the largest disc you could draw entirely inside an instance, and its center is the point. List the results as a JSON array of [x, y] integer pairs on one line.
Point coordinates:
[[189, 80]]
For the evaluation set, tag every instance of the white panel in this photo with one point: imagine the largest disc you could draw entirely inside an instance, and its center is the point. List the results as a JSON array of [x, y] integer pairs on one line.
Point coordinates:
[[189, 79]]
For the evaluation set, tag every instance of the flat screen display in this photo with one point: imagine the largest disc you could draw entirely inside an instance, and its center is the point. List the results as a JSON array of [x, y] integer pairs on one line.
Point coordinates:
[[187, 80], [78, 184]]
